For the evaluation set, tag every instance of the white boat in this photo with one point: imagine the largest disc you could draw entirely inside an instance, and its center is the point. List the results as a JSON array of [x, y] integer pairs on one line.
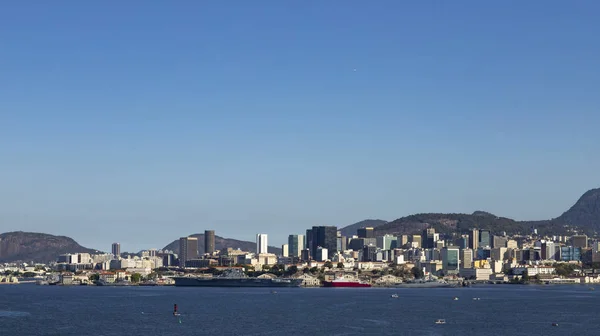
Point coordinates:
[[440, 321], [395, 296]]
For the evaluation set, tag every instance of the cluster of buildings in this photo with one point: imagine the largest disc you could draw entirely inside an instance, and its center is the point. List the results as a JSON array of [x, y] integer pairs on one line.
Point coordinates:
[[143, 264], [479, 255]]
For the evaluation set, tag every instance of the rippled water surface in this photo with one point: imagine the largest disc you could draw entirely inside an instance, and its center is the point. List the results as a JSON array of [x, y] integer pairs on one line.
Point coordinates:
[[502, 310]]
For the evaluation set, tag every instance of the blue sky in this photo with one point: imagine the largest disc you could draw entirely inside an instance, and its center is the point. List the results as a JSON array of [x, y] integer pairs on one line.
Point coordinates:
[[146, 121]]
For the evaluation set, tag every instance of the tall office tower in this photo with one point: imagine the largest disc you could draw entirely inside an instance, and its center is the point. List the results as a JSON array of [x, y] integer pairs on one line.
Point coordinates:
[[387, 242], [474, 239], [369, 253], [548, 251], [429, 238], [285, 250], [209, 241], [466, 256], [403, 240], [342, 243], [416, 240], [462, 242], [499, 241], [450, 260], [308, 241], [296, 245], [366, 232], [188, 249], [579, 241], [485, 238], [325, 237], [116, 250], [261, 243]]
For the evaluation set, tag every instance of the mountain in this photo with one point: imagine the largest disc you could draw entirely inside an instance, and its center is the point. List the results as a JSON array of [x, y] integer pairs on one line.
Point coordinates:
[[38, 247], [221, 244], [585, 213], [350, 230], [461, 223], [448, 223]]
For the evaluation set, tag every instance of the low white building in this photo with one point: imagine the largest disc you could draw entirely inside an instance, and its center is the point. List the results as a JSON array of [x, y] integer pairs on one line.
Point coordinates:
[[371, 265], [143, 271], [266, 259], [309, 280], [109, 277], [533, 270], [388, 280]]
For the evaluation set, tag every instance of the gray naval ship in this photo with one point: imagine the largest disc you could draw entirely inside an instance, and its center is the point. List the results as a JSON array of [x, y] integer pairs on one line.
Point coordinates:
[[235, 278], [425, 284], [428, 282]]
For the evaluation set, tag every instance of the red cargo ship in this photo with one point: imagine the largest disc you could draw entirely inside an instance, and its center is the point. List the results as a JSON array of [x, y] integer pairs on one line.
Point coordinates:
[[345, 283]]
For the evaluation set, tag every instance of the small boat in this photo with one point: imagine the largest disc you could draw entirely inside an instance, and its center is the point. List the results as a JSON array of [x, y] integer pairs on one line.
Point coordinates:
[[440, 321], [273, 292], [555, 324], [395, 296], [476, 299], [455, 298], [175, 312]]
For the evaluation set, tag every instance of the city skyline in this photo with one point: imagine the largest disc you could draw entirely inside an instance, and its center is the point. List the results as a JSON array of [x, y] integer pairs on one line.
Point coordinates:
[[117, 128]]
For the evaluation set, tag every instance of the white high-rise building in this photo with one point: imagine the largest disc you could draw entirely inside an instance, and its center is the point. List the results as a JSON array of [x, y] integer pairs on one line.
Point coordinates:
[[261, 243], [285, 250]]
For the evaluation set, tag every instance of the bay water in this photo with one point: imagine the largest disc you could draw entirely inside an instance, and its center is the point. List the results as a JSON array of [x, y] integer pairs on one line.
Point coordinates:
[[30, 310]]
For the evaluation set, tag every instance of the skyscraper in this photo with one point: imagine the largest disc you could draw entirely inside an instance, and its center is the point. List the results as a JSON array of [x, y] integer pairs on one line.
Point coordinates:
[[579, 241], [325, 237], [342, 242], [366, 232], [188, 249], [261, 243], [116, 249], [285, 250], [429, 238], [474, 239], [369, 253], [485, 238], [499, 241], [466, 257], [209, 241], [450, 260], [308, 241], [296, 245]]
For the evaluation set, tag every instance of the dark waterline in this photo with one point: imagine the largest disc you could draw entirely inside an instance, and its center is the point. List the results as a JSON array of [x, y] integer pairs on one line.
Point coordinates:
[[501, 310]]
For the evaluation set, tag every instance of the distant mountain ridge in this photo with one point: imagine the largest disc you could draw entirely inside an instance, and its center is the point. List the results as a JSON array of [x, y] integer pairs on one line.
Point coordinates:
[[584, 214], [38, 247], [221, 244], [350, 230]]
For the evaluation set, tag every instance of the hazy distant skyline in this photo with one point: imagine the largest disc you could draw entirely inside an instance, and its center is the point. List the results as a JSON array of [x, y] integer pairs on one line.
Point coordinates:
[[141, 122]]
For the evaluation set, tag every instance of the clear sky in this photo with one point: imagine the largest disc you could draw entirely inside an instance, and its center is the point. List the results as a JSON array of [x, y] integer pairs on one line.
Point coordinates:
[[143, 121]]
